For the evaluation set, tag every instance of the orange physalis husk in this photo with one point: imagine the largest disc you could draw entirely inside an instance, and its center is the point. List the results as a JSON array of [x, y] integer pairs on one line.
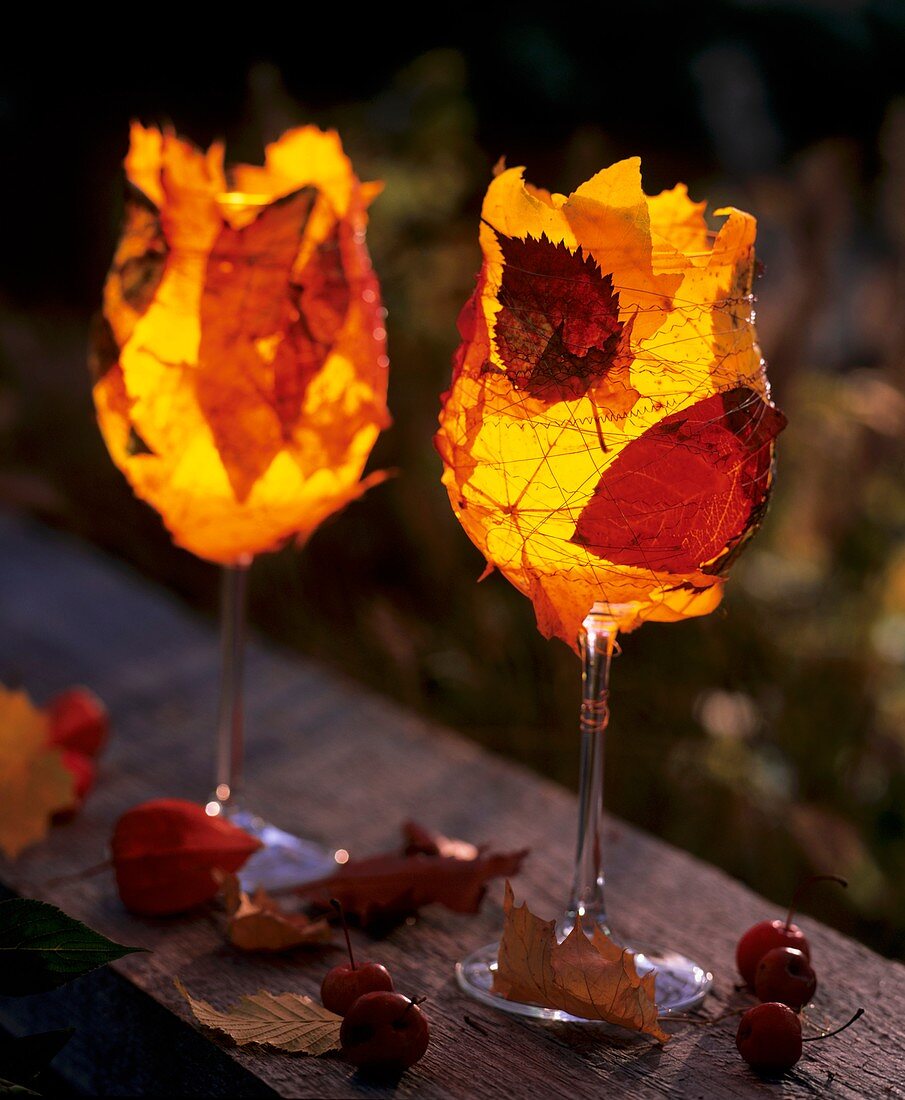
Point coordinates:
[[240, 359], [608, 434], [593, 979]]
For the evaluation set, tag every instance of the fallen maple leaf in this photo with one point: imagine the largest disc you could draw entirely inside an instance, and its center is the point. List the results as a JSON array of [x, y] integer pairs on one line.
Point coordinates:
[[591, 978], [34, 781], [258, 923], [383, 889], [285, 1021], [166, 852]]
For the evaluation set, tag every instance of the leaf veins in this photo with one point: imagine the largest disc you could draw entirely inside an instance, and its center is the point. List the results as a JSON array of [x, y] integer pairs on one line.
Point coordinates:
[[688, 489]]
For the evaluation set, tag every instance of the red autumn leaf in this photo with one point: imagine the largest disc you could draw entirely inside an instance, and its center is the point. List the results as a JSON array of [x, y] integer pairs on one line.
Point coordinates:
[[166, 853], [238, 316], [688, 489], [78, 721], [320, 302], [558, 331], [383, 889]]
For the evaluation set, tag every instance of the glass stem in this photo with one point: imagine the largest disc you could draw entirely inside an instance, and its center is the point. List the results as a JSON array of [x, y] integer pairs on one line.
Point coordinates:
[[231, 718], [597, 641]]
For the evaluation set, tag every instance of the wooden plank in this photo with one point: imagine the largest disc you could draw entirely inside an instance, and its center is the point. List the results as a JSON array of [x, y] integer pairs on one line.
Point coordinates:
[[338, 764]]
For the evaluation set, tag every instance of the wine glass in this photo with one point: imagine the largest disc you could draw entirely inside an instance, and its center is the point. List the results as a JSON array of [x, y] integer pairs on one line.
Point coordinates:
[[240, 379], [607, 443]]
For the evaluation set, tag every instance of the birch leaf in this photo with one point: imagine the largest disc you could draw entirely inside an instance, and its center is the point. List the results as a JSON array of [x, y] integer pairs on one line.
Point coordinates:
[[283, 1021]]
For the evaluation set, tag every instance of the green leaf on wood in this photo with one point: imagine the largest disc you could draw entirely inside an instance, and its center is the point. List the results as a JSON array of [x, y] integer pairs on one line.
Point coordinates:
[[10, 1088], [42, 948]]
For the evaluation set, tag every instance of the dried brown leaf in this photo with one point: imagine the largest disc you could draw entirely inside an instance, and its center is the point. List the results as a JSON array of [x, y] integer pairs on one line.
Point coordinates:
[[284, 1021], [258, 923], [385, 888], [591, 978]]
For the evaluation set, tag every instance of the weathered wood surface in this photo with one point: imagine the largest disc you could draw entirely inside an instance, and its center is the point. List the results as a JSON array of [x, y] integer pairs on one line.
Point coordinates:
[[333, 762]]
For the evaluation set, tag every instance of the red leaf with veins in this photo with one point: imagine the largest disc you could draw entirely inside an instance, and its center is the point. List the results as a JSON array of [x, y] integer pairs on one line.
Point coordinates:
[[382, 890], [559, 330], [688, 489], [321, 301]]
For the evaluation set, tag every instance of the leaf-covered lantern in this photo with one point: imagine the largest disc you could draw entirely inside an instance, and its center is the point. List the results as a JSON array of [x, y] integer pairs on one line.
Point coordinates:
[[608, 435], [240, 360]]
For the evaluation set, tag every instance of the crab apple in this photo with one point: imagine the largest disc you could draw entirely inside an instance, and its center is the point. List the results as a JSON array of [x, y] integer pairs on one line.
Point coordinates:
[[769, 1038], [767, 934], [784, 974], [78, 721], [384, 1033], [344, 984]]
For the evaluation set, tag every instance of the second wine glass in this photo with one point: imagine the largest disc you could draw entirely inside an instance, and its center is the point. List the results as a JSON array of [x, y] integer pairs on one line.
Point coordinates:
[[240, 378]]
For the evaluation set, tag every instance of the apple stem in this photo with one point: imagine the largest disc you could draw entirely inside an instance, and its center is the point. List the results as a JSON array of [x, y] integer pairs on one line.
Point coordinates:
[[827, 1034], [412, 1002], [338, 906], [804, 885]]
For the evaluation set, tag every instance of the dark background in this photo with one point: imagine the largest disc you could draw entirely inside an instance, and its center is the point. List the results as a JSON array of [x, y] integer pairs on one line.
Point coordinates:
[[768, 738]]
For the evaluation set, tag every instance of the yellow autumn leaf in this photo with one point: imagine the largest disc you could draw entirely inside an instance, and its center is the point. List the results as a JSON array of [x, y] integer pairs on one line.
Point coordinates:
[[284, 1021], [594, 979], [34, 783]]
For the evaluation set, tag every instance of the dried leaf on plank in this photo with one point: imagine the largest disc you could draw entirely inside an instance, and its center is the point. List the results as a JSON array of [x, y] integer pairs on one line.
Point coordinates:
[[591, 978], [384, 889], [284, 1021], [258, 923]]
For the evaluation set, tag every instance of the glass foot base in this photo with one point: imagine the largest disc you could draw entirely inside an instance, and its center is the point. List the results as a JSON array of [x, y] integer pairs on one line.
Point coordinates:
[[680, 983], [283, 860]]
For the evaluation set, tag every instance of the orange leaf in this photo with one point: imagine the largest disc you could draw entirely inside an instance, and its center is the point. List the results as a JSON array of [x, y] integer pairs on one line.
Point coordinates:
[[608, 435], [34, 781], [258, 923], [240, 362], [591, 978]]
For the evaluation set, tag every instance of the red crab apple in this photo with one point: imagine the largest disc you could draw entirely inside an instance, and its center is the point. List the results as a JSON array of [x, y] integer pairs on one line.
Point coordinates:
[[346, 983], [384, 1033], [78, 721], [769, 1037], [767, 934], [785, 975]]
